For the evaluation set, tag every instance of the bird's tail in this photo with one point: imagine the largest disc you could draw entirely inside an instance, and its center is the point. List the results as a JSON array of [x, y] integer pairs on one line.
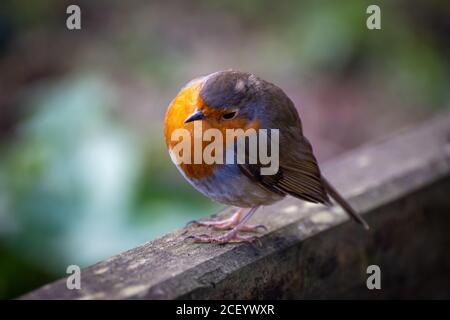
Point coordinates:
[[344, 204]]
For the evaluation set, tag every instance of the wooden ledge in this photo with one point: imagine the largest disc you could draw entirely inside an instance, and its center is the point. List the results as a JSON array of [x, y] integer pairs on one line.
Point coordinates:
[[401, 185]]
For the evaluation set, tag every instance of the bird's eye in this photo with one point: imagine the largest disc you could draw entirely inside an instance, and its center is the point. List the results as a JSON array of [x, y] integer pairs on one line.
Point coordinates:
[[229, 115]]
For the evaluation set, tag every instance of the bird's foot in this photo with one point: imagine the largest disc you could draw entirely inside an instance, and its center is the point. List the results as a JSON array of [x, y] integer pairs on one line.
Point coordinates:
[[232, 236], [235, 223], [230, 223], [224, 224]]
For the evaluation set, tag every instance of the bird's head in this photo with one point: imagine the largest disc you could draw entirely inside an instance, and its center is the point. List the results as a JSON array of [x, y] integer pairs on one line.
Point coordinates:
[[222, 100]]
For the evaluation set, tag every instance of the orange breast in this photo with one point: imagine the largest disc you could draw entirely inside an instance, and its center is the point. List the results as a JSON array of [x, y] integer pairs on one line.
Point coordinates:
[[184, 105]]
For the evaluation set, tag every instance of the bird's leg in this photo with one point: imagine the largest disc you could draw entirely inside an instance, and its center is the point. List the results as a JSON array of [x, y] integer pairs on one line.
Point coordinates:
[[230, 223], [232, 235]]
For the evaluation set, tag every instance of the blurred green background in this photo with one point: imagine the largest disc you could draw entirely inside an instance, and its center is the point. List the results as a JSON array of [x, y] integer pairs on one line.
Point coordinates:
[[84, 173]]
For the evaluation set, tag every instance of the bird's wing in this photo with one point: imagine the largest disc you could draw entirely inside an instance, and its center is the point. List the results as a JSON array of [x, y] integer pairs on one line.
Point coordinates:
[[298, 173], [299, 176]]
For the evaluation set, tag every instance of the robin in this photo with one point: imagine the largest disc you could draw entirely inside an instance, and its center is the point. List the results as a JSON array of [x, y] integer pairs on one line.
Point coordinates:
[[237, 100]]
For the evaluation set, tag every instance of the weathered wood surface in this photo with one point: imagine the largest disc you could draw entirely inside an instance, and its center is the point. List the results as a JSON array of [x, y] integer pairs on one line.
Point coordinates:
[[401, 185]]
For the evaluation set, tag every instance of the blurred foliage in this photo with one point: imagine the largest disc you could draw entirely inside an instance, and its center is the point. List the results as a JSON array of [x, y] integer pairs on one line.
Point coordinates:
[[75, 183], [84, 173]]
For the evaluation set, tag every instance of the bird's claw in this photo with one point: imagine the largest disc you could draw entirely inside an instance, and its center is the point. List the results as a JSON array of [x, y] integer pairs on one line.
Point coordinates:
[[260, 226], [191, 223], [227, 225], [226, 238]]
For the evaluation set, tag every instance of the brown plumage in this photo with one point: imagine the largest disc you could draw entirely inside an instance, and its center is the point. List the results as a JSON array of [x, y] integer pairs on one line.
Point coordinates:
[[299, 174]]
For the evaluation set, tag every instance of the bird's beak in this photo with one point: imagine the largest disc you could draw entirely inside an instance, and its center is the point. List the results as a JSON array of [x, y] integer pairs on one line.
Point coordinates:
[[197, 115]]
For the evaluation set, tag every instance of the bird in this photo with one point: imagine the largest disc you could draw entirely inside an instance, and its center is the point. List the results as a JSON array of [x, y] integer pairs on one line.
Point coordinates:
[[233, 99]]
